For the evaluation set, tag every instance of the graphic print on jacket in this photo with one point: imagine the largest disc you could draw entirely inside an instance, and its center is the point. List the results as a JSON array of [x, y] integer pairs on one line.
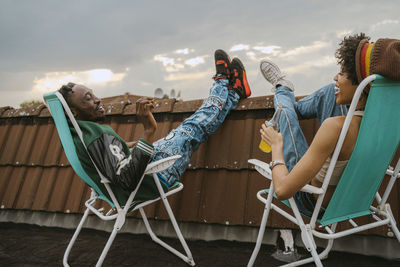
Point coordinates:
[[112, 156]]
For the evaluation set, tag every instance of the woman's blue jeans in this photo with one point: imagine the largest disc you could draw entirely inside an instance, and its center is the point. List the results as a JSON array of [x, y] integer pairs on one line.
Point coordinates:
[[187, 137], [321, 105]]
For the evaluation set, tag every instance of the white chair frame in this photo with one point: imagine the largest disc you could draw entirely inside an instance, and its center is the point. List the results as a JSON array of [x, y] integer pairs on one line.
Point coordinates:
[[121, 212], [120, 216], [382, 213]]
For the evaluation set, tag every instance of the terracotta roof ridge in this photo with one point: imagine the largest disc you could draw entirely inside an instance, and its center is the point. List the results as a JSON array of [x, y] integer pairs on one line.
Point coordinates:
[[125, 105], [9, 112]]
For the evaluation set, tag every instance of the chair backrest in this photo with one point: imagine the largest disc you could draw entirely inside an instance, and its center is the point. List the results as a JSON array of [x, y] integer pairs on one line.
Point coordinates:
[[54, 104], [377, 141]]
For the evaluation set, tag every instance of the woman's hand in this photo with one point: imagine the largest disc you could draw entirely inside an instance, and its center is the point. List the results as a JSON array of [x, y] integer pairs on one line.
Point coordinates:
[[144, 108], [272, 137]]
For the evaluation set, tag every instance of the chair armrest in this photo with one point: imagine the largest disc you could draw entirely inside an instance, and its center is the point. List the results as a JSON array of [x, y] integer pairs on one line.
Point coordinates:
[[390, 172], [263, 168], [312, 189], [161, 164]]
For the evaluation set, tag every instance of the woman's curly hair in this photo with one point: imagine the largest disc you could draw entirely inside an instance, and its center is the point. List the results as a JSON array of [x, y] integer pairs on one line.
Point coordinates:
[[346, 55]]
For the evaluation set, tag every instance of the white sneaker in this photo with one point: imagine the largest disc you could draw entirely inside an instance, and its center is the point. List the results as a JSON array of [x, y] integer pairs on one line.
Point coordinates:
[[272, 74]]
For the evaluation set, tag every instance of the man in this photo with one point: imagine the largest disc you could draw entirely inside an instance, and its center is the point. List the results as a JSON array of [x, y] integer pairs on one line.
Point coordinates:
[[123, 167]]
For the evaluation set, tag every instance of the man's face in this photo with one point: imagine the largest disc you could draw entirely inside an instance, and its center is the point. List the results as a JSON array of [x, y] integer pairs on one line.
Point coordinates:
[[84, 104]]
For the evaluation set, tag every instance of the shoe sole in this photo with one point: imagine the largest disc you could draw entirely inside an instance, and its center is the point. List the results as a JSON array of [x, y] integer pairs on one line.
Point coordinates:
[[245, 82], [270, 63], [222, 52], [288, 83], [220, 57]]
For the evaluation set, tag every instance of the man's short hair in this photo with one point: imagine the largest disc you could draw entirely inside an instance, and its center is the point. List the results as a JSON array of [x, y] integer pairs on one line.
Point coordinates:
[[346, 55], [65, 90]]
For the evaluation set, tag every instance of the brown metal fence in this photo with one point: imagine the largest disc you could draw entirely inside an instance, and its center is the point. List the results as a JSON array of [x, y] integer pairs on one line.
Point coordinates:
[[220, 186]]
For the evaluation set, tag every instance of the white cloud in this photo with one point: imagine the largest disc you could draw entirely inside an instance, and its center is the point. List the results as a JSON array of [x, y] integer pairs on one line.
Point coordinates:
[[315, 46], [169, 63], [383, 23], [267, 49], [305, 67], [144, 83], [239, 47], [174, 67], [252, 56], [164, 60], [184, 51], [195, 61], [186, 76], [52, 80], [103, 75], [343, 33]]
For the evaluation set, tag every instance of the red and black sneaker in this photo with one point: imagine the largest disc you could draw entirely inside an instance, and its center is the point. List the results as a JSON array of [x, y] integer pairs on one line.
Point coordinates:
[[222, 65], [238, 79]]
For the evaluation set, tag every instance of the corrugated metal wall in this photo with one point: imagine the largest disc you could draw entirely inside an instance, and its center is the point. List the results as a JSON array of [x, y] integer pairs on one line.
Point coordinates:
[[220, 186]]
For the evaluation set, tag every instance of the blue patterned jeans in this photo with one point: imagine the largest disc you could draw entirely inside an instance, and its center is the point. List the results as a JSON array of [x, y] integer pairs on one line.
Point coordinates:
[[187, 137]]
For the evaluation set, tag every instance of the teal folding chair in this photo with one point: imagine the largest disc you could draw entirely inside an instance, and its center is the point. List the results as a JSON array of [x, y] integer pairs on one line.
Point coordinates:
[[120, 202], [377, 142]]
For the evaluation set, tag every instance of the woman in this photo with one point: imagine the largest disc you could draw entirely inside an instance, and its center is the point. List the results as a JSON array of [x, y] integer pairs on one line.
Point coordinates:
[[294, 164]]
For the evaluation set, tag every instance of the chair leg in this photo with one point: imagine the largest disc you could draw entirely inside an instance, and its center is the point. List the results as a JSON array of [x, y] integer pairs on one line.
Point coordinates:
[[306, 236], [315, 258], [178, 230], [262, 227], [322, 255], [73, 239], [395, 229], [188, 258], [314, 253], [107, 246], [392, 222]]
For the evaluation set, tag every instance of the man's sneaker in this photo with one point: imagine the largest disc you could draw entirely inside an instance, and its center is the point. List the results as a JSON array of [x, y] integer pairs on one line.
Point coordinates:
[[238, 79], [222, 65], [272, 74]]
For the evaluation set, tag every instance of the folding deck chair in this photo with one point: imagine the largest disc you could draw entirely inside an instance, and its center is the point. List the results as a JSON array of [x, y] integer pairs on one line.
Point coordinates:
[[120, 206], [377, 142]]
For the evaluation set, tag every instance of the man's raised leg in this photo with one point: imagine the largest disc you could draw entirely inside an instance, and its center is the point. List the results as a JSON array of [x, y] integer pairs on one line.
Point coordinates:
[[187, 137]]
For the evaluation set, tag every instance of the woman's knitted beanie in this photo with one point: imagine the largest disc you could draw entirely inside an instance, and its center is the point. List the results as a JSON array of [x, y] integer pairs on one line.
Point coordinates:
[[381, 57]]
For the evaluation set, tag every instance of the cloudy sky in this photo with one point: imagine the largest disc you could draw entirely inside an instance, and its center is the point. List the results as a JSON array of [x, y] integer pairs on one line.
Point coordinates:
[[133, 46]]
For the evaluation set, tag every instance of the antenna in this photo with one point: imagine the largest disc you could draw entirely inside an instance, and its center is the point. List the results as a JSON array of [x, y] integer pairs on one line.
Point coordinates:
[[172, 93], [158, 93]]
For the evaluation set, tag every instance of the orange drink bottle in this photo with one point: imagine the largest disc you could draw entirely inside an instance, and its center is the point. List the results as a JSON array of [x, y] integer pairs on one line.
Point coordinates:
[[274, 122], [264, 147]]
